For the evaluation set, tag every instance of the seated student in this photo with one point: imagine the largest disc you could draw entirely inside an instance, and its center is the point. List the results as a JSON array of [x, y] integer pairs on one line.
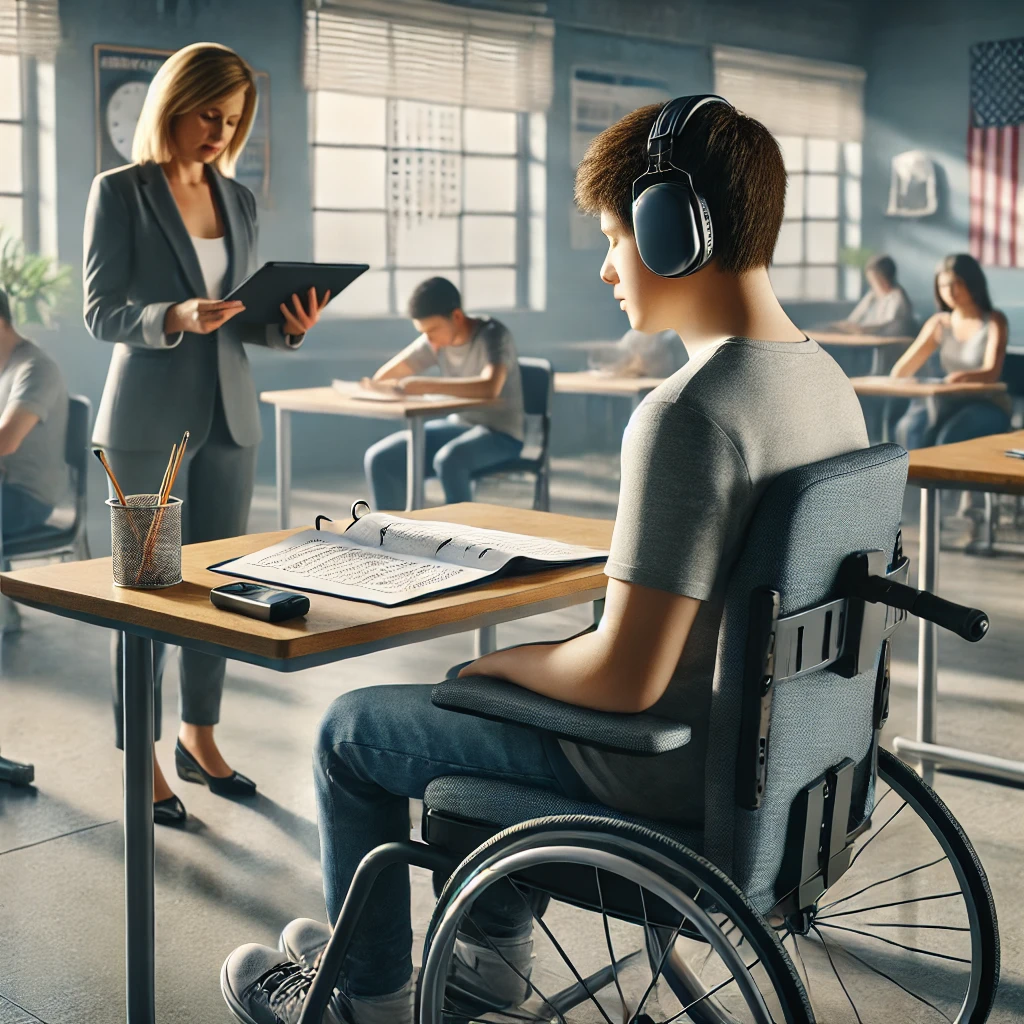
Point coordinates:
[[33, 425], [885, 308], [477, 357], [968, 337], [756, 399], [637, 354]]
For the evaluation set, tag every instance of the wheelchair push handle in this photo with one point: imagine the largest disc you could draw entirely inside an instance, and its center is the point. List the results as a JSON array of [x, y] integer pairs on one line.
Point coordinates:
[[970, 623]]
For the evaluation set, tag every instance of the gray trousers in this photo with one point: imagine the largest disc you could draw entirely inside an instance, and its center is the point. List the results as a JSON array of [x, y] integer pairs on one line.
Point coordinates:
[[216, 483]]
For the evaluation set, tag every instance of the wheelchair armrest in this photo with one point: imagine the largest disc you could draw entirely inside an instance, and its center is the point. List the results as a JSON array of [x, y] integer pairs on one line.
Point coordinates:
[[642, 734]]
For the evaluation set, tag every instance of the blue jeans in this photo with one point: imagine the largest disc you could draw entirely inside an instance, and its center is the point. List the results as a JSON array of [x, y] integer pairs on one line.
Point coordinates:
[[454, 451], [21, 511], [379, 746]]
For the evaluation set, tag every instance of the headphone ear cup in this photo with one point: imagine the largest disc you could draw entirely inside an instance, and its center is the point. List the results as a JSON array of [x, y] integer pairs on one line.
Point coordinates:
[[669, 229]]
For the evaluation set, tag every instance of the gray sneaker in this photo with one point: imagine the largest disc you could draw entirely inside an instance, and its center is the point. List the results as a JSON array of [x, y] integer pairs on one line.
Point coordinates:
[[478, 974], [262, 986]]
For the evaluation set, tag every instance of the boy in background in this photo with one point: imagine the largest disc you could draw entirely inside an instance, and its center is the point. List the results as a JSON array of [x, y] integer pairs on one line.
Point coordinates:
[[477, 359]]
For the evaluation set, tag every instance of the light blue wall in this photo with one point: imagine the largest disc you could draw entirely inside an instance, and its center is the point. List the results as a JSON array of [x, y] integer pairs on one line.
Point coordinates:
[[917, 98], [608, 34]]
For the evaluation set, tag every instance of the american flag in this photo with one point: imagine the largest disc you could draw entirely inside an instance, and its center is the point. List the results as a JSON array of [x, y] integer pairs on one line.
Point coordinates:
[[994, 153]]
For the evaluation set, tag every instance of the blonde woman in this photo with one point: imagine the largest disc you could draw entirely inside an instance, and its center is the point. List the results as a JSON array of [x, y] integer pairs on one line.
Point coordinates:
[[165, 239]]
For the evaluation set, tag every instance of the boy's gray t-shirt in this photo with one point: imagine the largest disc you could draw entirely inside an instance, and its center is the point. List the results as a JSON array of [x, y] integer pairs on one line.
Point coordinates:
[[492, 344], [32, 380], [697, 455]]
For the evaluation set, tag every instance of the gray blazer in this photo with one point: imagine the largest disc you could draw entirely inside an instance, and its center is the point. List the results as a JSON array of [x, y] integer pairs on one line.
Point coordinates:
[[139, 261]]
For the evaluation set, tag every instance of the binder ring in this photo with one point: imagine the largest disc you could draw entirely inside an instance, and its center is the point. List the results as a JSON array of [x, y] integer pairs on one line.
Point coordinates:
[[356, 504]]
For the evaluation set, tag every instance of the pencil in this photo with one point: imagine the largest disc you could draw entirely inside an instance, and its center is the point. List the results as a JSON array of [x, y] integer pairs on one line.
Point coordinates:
[[177, 465], [98, 452], [167, 473], [170, 475]]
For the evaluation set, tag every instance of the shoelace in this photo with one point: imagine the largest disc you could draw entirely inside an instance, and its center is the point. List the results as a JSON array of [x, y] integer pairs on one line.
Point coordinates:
[[285, 988]]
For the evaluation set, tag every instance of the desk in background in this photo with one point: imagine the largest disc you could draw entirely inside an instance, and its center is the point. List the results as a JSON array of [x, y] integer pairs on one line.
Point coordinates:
[[977, 465], [412, 412], [589, 383], [334, 630], [877, 343]]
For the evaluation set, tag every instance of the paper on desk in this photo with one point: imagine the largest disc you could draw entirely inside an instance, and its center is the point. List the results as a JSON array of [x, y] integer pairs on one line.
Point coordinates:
[[351, 390], [389, 560]]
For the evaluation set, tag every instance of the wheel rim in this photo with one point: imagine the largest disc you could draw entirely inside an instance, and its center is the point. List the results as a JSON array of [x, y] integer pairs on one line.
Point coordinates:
[[435, 969]]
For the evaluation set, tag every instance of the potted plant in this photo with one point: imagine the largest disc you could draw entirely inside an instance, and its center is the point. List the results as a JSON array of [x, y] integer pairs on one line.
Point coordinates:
[[35, 284]]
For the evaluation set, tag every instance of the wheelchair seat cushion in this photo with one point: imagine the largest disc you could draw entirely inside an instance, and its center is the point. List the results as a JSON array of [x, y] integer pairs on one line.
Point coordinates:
[[503, 804]]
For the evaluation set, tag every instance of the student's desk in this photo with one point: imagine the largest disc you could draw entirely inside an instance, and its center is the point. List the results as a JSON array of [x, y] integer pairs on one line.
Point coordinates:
[[977, 465], [412, 412], [876, 342], [332, 631], [586, 382]]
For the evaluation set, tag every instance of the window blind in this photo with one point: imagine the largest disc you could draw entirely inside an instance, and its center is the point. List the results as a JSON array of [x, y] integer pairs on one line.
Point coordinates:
[[791, 95], [418, 49], [29, 28]]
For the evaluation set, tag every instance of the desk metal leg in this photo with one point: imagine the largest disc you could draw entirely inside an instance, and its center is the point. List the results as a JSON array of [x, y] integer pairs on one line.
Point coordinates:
[[415, 474], [876, 360], [283, 423], [485, 641], [138, 829], [924, 747]]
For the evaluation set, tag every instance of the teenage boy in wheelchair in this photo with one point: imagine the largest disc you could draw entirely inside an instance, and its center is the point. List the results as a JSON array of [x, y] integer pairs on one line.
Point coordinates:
[[691, 199]]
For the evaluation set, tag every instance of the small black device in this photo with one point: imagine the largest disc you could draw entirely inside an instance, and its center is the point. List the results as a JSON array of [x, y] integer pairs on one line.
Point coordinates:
[[260, 602], [274, 283], [671, 222]]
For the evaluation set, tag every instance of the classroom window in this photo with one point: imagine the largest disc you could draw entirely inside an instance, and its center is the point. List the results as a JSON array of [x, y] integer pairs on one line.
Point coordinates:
[[822, 218], [421, 189], [12, 133]]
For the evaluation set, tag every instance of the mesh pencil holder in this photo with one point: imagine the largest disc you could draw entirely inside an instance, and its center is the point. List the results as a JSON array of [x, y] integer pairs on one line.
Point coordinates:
[[145, 541]]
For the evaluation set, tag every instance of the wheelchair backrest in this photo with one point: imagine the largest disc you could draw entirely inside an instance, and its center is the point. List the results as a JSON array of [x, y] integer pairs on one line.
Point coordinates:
[[809, 520]]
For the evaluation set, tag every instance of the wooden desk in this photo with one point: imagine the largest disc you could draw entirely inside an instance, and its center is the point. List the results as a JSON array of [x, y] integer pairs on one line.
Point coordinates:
[[587, 382], [412, 412], [875, 342], [333, 631], [977, 465], [911, 387]]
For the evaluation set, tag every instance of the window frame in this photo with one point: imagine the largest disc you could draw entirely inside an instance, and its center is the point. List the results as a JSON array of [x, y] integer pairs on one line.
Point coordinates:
[[523, 215]]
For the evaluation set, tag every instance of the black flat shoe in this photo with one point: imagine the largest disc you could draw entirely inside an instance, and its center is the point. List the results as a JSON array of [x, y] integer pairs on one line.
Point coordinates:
[[169, 812], [191, 770]]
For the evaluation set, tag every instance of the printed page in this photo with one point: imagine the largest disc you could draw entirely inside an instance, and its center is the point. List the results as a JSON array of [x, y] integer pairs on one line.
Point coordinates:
[[328, 563], [465, 546]]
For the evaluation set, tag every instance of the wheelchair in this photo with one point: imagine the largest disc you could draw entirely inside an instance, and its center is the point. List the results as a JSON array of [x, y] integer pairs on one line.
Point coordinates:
[[827, 883]]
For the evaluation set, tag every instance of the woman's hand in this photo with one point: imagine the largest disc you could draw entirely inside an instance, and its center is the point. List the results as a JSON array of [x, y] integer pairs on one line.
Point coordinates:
[[200, 316], [957, 377], [299, 319]]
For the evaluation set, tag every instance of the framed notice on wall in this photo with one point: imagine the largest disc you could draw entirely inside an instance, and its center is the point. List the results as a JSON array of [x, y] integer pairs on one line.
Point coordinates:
[[598, 99], [121, 79]]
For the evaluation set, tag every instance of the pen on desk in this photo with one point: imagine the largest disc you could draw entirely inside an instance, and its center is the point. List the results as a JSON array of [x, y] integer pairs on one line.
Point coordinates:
[[98, 452], [1015, 453]]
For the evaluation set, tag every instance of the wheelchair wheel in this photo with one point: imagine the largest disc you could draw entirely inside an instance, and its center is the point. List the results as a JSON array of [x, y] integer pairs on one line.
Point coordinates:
[[908, 934], [611, 885]]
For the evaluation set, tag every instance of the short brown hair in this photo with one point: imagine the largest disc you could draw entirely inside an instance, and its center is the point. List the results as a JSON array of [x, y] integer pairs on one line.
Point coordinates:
[[734, 162]]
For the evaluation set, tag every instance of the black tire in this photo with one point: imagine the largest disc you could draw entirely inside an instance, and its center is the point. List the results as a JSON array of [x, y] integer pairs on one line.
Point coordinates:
[[677, 865]]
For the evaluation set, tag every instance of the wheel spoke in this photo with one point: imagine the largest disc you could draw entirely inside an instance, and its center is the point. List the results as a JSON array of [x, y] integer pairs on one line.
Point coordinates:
[[892, 878], [895, 903], [511, 966], [565, 956], [800, 956], [875, 835], [608, 941], [835, 971], [665, 953], [891, 942], [876, 970], [935, 927], [708, 994]]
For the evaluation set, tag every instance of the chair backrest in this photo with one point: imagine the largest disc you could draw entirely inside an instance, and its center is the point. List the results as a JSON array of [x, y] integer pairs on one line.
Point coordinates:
[[76, 446], [1013, 373], [538, 382], [806, 524]]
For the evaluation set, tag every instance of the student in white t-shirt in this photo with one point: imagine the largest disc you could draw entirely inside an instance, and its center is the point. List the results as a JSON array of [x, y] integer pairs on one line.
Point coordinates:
[[477, 359]]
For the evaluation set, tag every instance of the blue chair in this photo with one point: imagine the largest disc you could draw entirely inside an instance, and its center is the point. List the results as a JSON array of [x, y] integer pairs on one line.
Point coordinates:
[[538, 387], [62, 537], [797, 839]]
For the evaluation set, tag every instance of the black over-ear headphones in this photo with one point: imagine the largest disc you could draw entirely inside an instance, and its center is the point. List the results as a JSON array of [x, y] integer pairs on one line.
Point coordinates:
[[671, 222]]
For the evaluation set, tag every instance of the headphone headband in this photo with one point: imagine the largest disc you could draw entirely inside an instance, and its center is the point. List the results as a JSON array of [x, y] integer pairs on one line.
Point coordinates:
[[675, 115]]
